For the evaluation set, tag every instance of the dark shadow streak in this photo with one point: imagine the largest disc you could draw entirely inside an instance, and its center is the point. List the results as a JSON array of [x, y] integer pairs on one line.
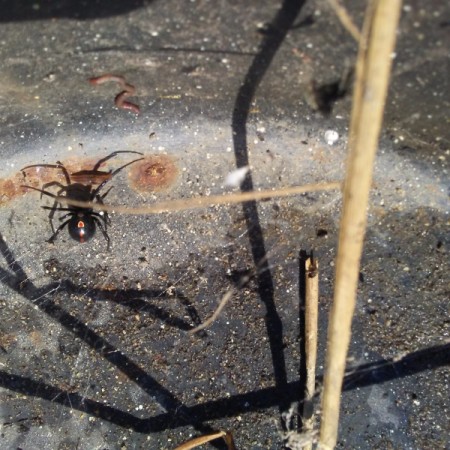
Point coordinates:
[[365, 375], [19, 10], [141, 301], [271, 42]]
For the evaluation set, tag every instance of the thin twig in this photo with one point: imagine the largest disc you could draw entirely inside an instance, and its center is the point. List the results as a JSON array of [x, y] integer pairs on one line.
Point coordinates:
[[345, 19], [225, 299], [200, 440], [228, 295], [372, 79], [204, 202]]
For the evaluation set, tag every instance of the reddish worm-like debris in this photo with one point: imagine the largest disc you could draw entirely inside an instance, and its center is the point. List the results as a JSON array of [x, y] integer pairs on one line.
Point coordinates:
[[120, 100]]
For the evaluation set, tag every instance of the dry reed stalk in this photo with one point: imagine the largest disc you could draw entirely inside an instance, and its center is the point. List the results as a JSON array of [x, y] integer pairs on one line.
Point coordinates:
[[206, 201], [372, 77], [311, 319]]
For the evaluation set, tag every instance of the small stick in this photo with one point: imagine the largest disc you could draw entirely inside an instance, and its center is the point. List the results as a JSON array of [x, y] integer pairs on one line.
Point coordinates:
[[128, 91], [311, 319]]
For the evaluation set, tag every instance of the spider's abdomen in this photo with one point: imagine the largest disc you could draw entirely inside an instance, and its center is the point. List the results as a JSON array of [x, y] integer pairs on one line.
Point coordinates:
[[82, 227]]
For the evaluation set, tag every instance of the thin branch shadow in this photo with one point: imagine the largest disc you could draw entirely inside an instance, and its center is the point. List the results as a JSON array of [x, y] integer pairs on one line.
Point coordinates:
[[142, 301], [280, 25], [365, 375]]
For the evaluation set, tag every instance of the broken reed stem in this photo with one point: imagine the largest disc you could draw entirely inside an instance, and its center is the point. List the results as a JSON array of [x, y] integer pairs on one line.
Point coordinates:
[[345, 19], [311, 319], [196, 442], [204, 202], [372, 76]]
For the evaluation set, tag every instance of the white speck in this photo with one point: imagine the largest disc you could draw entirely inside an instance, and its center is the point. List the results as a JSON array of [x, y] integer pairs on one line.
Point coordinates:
[[331, 137], [236, 177]]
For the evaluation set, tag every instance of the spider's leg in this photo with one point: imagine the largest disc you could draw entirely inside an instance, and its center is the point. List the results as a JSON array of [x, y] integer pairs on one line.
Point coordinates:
[[112, 155], [58, 165], [54, 183], [55, 234], [57, 209], [70, 213], [103, 230], [126, 165], [53, 208], [39, 190], [65, 215], [115, 172], [99, 188], [105, 215], [101, 197]]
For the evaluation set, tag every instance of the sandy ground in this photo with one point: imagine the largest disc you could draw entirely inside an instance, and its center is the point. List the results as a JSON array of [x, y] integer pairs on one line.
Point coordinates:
[[94, 349]]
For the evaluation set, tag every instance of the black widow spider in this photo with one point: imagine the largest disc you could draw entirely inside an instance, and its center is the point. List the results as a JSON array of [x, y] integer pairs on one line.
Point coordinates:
[[82, 221]]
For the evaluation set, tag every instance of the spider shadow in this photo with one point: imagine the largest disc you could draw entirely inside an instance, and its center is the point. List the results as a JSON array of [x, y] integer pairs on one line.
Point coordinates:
[[41, 297]]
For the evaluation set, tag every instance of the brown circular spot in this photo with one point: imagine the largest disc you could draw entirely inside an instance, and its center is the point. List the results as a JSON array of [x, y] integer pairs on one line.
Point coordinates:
[[153, 173]]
